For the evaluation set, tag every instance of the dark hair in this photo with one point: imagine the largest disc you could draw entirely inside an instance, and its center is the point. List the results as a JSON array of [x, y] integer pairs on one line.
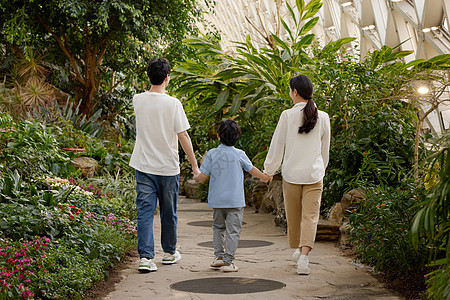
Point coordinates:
[[157, 70], [304, 88], [229, 132]]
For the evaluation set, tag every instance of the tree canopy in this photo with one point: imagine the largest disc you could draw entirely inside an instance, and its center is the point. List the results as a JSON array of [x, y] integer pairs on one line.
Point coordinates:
[[92, 38]]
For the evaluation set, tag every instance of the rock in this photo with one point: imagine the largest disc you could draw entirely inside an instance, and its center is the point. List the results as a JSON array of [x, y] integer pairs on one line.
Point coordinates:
[[280, 219], [344, 237], [327, 231], [191, 189], [351, 199], [256, 193], [87, 165], [275, 193], [272, 202], [181, 188], [336, 214], [327, 238]]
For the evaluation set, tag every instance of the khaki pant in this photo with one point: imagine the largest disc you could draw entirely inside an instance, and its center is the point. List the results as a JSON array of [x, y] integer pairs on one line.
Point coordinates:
[[302, 204]]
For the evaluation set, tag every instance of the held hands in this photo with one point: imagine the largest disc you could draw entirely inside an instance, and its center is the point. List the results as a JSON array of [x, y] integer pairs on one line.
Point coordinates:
[[200, 177], [197, 174], [266, 178], [195, 171], [196, 177]]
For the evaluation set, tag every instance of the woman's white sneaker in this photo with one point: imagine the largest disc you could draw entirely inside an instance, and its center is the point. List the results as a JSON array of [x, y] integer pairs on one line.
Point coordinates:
[[296, 255], [147, 265], [303, 265]]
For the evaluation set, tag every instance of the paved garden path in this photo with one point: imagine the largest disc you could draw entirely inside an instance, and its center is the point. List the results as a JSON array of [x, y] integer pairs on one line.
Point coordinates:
[[264, 260]]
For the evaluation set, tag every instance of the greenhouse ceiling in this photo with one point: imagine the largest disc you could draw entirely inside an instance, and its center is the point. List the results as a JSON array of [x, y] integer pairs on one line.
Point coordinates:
[[418, 25], [421, 25]]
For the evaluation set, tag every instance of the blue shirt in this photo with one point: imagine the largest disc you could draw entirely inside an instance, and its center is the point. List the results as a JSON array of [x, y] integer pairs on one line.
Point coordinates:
[[224, 166]]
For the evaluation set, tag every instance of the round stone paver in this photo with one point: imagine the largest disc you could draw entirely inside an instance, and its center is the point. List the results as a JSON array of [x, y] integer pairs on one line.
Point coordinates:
[[242, 244], [227, 285], [207, 223]]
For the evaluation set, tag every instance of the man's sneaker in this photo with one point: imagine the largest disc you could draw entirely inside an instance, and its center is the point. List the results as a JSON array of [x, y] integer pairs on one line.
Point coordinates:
[[217, 263], [229, 268], [147, 265], [296, 255], [169, 259], [303, 265]]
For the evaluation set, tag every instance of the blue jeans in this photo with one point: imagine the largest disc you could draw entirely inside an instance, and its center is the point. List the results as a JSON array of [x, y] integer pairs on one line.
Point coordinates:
[[149, 188]]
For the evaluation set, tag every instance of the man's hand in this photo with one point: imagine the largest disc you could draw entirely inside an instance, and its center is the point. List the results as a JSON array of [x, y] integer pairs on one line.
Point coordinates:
[[195, 170]]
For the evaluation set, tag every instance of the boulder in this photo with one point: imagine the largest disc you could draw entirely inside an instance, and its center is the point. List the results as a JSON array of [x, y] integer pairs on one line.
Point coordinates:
[[181, 186], [191, 189], [256, 193], [344, 237], [336, 214], [351, 199], [327, 231], [87, 165]]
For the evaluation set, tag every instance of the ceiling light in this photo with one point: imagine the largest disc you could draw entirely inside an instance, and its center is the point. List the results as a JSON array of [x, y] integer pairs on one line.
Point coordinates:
[[434, 28], [423, 90], [396, 0], [347, 3], [331, 28], [368, 27], [426, 30]]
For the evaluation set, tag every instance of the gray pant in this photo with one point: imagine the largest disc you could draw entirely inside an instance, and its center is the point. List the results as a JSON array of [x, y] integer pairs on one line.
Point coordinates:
[[227, 225]]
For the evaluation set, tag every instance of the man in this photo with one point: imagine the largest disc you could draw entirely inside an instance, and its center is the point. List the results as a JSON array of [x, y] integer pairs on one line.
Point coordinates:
[[160, 123]]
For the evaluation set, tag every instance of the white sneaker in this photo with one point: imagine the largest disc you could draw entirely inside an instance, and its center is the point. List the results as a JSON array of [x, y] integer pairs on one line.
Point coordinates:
[[217, 263], [229, 268], [147, 265], [169, 259], [296, 255], [303, 265]]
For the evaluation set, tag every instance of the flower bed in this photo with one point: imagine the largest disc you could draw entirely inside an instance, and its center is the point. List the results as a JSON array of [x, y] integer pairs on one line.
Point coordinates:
[[86, 239]]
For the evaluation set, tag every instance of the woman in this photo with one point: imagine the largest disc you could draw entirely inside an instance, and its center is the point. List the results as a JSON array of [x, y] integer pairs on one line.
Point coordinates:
[[301, 144]]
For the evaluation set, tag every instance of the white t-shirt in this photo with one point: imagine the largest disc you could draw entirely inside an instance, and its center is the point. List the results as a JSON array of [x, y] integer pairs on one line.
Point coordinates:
[[159, 118], [304, 156]]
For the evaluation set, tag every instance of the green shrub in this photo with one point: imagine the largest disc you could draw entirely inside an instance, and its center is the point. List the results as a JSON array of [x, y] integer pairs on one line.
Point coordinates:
[[380, 229], [379, 150], [33, 150], [433, 220]]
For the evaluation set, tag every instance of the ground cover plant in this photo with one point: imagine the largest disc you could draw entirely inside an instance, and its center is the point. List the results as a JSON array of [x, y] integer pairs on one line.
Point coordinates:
[[60, 232]]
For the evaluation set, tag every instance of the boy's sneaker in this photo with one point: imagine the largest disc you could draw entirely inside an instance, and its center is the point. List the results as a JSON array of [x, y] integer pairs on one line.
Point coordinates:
[[229, 268], [169, 259], [147, 265], [217, 263], [303, 265], [296, 255]]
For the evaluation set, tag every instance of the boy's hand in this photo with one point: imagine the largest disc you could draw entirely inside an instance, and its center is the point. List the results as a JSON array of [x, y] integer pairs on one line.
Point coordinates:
[[200, 177], [266, 178]]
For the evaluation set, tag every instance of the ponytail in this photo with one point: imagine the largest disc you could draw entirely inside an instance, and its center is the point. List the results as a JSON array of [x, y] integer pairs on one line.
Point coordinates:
[[310, 117], [304, 88]]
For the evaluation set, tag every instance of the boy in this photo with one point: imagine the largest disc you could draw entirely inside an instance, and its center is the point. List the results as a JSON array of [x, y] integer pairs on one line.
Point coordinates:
[[224, 166], [160, 124]]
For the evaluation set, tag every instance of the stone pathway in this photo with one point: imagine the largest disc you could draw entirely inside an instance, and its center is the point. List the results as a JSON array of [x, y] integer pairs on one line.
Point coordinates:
[[264, 260]]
